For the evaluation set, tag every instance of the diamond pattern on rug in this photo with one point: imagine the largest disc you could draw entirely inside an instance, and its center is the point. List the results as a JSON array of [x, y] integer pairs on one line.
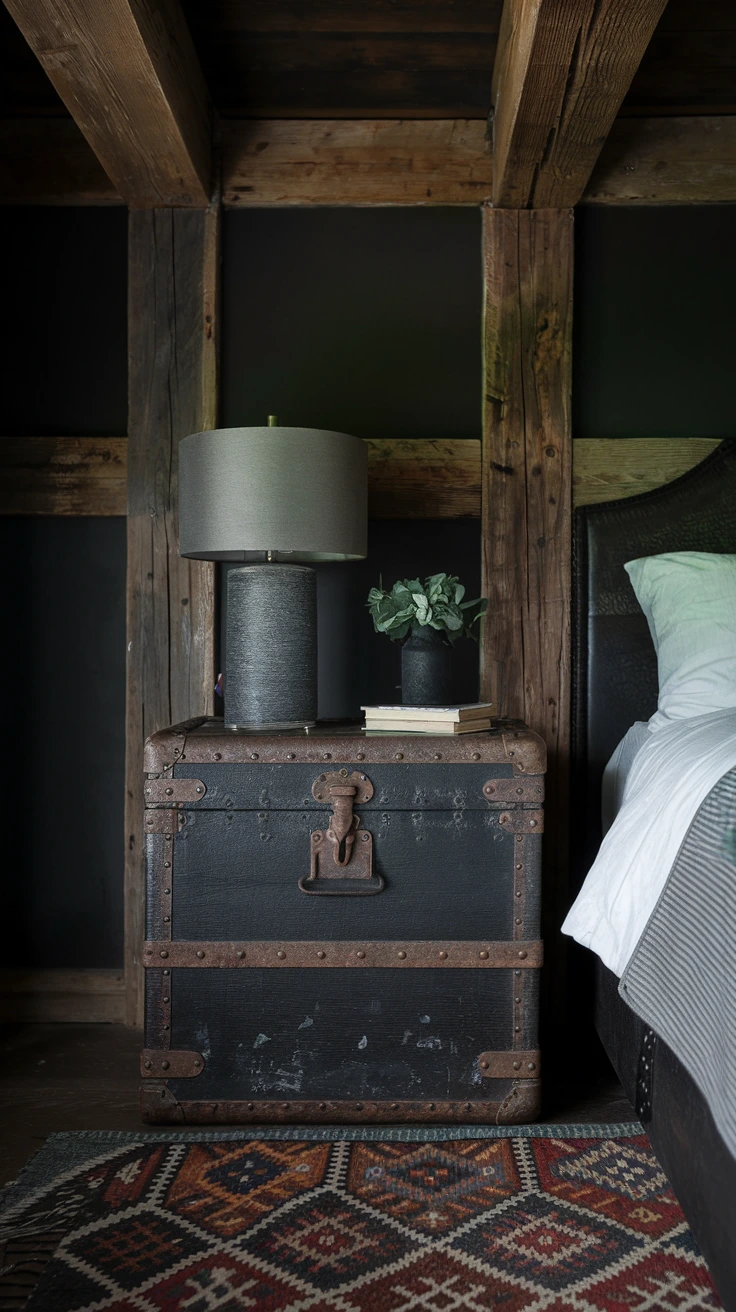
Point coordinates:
[[513, 1225], [329, 1242], [660, 1282], [546, 1242], [619, 1178], [227, 1187], [437, 1281], [128, 1250], [434, 1186]]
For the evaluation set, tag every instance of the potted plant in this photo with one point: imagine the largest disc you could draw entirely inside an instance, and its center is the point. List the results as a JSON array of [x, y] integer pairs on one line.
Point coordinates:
[[427, 617]]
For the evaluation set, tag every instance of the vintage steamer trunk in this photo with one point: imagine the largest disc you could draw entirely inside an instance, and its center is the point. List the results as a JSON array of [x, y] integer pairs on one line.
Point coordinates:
[[341, 926]]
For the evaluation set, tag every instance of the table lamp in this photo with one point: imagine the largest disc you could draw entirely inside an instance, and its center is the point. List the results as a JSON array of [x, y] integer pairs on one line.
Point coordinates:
[[289, 496]]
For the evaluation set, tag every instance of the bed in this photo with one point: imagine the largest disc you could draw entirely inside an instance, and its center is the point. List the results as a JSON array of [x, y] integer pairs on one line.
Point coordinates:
[[614, 687]]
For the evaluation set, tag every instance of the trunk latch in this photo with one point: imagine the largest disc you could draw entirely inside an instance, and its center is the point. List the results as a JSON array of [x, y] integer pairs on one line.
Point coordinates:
[[343, 852]]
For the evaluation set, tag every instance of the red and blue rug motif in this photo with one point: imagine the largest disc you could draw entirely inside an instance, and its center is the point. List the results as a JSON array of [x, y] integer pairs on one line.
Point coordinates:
[[357, 1220]]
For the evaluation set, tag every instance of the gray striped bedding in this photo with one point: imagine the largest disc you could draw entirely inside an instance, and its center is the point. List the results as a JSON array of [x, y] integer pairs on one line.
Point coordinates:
[[681, 978]]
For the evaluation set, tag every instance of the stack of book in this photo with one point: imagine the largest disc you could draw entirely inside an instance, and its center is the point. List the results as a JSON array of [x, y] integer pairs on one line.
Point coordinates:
[[470, 718]]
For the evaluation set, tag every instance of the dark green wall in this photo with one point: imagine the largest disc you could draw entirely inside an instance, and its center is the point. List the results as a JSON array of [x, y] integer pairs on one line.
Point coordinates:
[[655, 291]]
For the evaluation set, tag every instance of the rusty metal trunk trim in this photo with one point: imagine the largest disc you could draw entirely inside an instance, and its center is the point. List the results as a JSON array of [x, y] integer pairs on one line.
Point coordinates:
[[515, 1065], [160, 1107], [418, 955], [201, 742], [173, 792], [171, 1064], [515, 791], [522, 821], [168, 820]]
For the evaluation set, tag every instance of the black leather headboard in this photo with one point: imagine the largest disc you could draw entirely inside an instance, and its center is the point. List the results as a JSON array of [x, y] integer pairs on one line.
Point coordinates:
[[614, 665]]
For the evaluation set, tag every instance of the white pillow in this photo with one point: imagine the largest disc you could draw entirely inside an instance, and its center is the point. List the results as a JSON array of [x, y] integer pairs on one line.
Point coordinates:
[[689, 599]]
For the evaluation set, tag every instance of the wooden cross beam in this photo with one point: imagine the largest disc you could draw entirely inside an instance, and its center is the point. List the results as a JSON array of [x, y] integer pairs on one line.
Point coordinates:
[[562, 70], [128, 73]]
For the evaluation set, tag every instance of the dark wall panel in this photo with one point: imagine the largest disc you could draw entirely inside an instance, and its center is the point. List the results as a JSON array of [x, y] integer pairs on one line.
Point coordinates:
[[63, 658], [654, 343], [64, 322], [362, 320], [64, 722], [368, 322]]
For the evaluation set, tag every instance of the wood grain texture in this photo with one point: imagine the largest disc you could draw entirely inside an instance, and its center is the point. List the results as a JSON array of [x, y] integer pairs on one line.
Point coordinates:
[[407, 479], [657, 161], [63, 475], [561, 73], [423, 480], [62, 995], [172, 385], [355, 162], [607, 469], [526, 505], [666, 161], [128, 73]]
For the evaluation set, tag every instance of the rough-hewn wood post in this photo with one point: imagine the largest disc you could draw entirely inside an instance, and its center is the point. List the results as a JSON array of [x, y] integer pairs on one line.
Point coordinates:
[[172, 391], [526, 485]]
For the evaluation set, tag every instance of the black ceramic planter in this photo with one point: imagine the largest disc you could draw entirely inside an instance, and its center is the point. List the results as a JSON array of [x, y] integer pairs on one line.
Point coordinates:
[[426, 668]]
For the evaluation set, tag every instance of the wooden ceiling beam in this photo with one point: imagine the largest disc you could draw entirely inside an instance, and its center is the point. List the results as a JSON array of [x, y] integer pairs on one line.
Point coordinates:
[[562, 70], [128, 73], [646, 161]]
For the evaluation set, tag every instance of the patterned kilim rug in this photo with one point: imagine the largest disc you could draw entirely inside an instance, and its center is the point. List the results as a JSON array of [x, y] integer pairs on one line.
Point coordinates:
[[287, 1219]]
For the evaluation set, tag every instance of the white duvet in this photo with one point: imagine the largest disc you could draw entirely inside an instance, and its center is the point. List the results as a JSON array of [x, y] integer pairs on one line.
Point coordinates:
[[672, 773]]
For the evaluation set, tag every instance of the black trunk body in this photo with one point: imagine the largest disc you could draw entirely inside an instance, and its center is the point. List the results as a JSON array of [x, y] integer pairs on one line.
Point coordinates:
[[258, 1005]]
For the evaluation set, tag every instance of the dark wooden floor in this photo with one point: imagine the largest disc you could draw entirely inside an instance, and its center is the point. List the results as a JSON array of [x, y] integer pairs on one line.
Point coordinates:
[[85, 1077]]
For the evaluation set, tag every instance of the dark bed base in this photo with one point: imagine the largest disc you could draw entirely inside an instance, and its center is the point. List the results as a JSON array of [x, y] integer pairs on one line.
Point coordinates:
[[614, 684], [700, 1167]]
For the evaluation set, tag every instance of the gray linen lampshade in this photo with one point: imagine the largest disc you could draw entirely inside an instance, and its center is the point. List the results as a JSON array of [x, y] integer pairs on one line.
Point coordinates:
[[297, 495], [298, 492]]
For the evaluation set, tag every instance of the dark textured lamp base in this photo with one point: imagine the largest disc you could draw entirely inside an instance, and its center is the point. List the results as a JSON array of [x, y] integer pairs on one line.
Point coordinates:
[[271, 647]]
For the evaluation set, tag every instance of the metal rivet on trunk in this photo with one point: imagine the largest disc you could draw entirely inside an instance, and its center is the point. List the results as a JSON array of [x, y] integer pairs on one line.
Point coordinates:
[[344, 773], [399, 756], [164, 954], [360, 756], [254, 756], [240, 954], [281, 955], [476, 756], [531, 1066], [167, 865], [285, 1106], [517, 920], [366, 837], [438, 756], [250, 1107], [358, 1106], [147, 1065], [517, 1065], [167, 919], [169, 792], [291, 756], [484, 1065], [165, 1065], [522, 955], [323, 1106], [394, 1106], [431, 1106], [198, 789], [200, 954], [517, 1029], [443, 956], [167, 972], [167, 891], [167, 999], [217, 756], [483, 956], [360, 954], [327, 756], [321, 956], [532, 823], [517, 999], [401, 955]]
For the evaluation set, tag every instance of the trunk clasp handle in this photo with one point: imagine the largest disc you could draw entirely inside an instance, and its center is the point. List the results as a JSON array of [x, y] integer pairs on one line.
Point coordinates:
[[343, 851]]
